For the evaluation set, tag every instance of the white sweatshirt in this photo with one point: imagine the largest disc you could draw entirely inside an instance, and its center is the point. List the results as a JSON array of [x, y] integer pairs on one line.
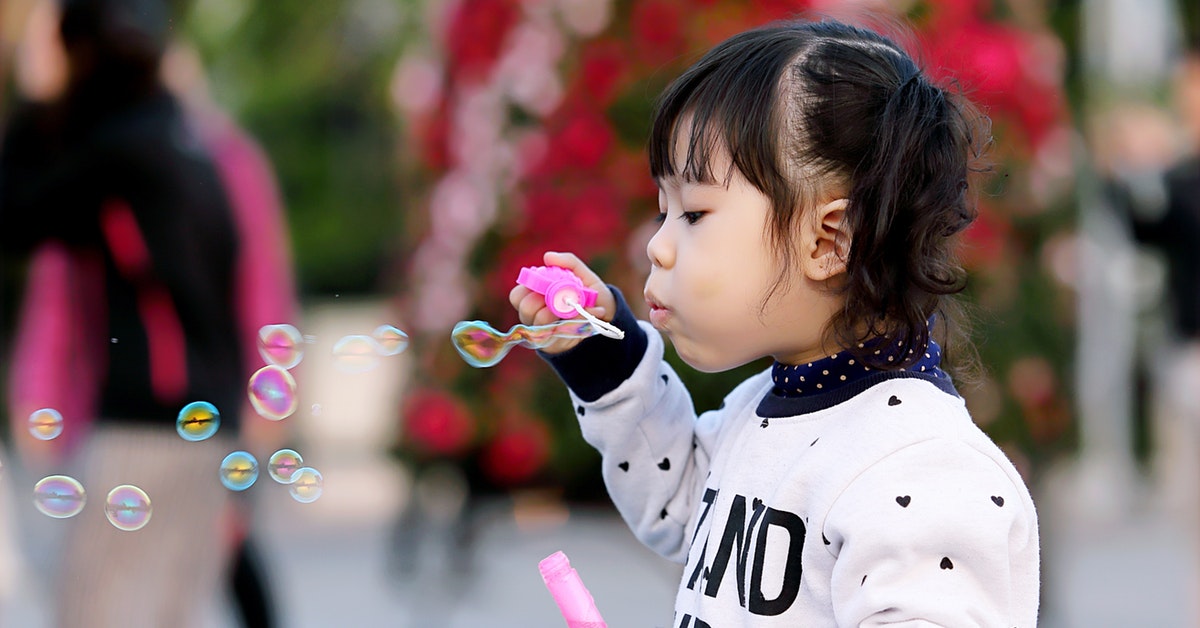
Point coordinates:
[[878, 504]]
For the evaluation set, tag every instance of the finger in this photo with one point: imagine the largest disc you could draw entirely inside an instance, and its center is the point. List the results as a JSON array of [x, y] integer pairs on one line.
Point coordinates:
[[531, 307], [575, 265], [517, 294]]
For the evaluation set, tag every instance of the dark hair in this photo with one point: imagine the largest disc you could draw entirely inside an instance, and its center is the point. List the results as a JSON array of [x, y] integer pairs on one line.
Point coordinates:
[[812, 111]]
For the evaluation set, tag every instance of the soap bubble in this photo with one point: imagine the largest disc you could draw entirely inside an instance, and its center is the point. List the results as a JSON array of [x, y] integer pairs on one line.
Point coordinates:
[[356, 354], [127, 508], [283, 464], [59, 496], [481, 345], [390, 340], [306, 485], [272, 392], [197, 421], [45, 424], [239, 470], [281, 345]]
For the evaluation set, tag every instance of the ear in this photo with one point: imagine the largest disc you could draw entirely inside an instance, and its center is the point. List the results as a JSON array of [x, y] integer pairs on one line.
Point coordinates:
[[825, 241]]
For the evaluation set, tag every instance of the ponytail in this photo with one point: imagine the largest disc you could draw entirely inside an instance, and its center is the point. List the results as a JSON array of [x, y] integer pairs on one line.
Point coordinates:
[[904, 147]]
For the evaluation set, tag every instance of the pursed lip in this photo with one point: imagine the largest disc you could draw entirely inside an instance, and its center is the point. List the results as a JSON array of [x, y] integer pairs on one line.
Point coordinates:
[[658, 312]]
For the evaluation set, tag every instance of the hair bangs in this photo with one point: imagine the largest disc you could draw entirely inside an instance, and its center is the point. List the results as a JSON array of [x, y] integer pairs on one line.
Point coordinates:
[[727, 102]]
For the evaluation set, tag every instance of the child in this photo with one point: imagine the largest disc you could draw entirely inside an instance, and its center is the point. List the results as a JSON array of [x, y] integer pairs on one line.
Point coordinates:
[[810, 178]]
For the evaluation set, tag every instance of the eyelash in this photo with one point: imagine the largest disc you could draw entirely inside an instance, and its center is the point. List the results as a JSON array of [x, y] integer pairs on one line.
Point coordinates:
[[690, 217]]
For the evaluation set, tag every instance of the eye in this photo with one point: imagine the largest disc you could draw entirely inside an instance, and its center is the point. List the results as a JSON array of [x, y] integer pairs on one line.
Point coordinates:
[[660, 218], [691, 217]]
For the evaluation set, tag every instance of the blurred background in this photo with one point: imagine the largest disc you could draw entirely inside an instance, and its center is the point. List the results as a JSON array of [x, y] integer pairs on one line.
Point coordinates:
[[425, 150]]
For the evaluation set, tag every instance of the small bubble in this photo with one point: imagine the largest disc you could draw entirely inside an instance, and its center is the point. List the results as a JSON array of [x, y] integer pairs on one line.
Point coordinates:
[[272, 392], [239, 470], [59, 496], [280, 345], [316, 409], [391, 340], [283, 464], [306, 485], [45, 424], [197, 421], [356, 354], [128, 508]]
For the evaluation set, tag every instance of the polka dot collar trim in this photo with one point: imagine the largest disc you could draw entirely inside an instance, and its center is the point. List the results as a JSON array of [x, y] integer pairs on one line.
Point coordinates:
[[840, 369]]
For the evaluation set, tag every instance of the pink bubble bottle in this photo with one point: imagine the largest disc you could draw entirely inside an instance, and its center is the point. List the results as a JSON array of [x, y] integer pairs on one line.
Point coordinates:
[[572, 597]]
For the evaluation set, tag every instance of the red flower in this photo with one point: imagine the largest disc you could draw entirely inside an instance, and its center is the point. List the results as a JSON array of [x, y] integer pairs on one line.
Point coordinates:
[[602, 70], [657, 31], [476, 32], [583, 141], [520, 449], [437, 424], [433, 134]]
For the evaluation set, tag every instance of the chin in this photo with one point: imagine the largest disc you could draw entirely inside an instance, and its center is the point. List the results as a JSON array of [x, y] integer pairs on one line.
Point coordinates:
[[708, 361]]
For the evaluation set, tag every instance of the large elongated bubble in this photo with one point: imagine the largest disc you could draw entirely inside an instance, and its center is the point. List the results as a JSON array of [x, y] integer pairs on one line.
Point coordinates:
[[480, 345]]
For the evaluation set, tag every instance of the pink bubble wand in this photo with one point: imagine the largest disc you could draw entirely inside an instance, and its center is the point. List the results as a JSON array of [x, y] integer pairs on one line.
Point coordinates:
[[573, 599]]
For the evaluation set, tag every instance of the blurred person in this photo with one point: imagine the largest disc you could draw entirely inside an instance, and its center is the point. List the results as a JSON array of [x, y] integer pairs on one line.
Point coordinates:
[[1152, 177], [139, 275], [811, 179]]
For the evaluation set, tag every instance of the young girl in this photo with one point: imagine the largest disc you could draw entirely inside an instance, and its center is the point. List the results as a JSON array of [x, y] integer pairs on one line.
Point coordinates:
[[810, 178]]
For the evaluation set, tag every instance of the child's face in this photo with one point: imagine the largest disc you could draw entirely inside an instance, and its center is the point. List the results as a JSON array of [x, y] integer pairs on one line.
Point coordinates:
[[713, 263]]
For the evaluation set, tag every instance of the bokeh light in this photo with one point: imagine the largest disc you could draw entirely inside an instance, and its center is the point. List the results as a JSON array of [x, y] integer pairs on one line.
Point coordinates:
[[281, 345], [283, 464], [197, 421], [59, 496], [272, 392], [239, 470], [127, 508], [306, 485], [45, 424]]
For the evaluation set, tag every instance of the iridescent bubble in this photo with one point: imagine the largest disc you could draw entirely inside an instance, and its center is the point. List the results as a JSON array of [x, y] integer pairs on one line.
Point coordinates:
[[281, 345], [283, 464], [272, 392], [306, 485], [390, 340], [356, 354], [197, 421], [239, 470], [59, 496], [45, 424], [480, 345], [127, 508]]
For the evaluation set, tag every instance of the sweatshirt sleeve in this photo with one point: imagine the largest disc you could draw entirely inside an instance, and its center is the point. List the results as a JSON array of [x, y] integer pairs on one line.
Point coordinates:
[[936, 534], [645, 428]]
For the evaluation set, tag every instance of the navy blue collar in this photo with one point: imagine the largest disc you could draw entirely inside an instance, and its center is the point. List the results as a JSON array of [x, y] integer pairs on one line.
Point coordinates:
[[843, 369]]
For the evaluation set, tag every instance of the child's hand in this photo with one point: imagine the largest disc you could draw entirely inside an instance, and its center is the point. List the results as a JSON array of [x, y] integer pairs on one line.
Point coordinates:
[[531, 306]]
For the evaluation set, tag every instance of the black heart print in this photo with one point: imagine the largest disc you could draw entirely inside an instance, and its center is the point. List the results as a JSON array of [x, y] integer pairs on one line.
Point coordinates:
[[946, 564], [665, 464], [903, 500], [624, 465], [893, 400], [996, 499]]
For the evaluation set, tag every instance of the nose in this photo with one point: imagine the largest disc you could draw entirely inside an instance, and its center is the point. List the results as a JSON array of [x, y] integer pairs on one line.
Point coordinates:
[[660, 249]]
